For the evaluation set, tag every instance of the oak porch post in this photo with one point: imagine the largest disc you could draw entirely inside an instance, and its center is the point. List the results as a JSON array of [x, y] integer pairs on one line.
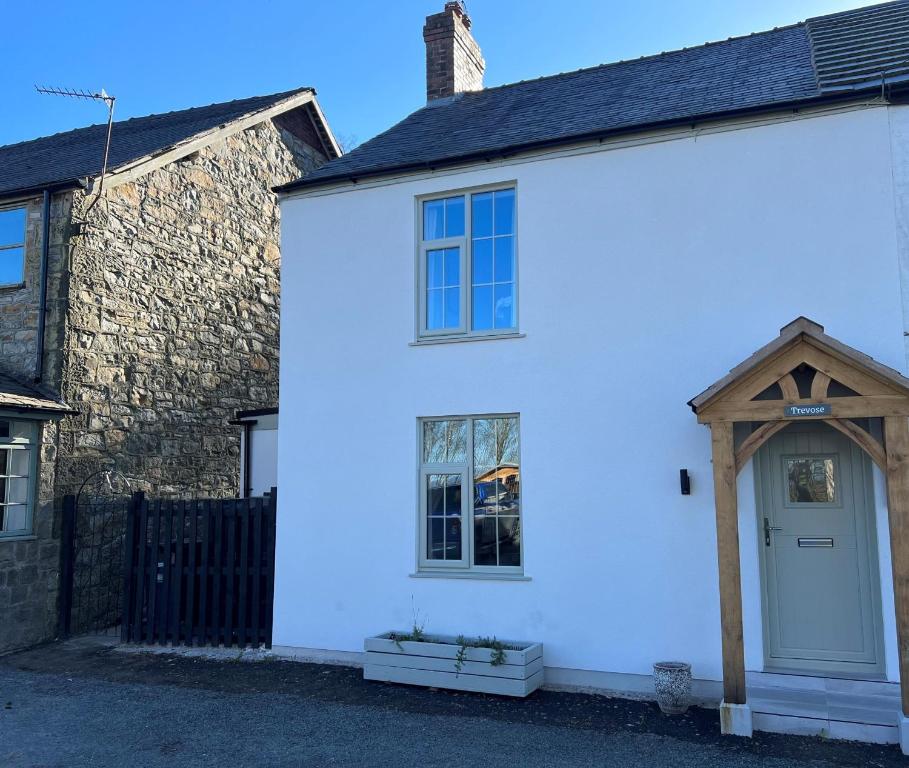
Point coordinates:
[[896, 436], [727, 542]]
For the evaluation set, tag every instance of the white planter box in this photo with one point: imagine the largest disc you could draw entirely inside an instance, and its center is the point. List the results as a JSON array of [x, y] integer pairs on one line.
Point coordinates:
[[433, 663]]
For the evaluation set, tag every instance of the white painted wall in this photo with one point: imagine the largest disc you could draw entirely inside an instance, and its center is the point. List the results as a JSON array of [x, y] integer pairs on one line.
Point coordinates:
[[263, 454], [645, 274], [264, 464]]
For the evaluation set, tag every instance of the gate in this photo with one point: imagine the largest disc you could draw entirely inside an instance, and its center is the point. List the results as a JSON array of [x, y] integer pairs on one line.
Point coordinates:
[[91, 558], [199, 572]]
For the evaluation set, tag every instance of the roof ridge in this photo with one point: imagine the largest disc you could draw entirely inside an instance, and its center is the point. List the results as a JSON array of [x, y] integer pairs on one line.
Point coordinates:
[[860, 9], [187, 110]]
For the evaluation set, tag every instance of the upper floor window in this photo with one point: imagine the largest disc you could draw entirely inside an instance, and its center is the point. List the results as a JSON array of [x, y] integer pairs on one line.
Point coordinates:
[[468, 264], [12, 246], [18, 459]]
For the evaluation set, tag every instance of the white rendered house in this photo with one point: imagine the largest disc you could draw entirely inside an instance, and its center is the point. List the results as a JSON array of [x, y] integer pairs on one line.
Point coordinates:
[[498, 316]]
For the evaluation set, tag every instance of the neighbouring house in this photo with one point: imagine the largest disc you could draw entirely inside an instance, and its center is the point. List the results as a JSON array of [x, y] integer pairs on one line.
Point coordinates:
[[543, 276], [258, 450], [138, 314]]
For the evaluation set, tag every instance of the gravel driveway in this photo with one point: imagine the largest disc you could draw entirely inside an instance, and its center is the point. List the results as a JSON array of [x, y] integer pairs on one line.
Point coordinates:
[[79, 704]]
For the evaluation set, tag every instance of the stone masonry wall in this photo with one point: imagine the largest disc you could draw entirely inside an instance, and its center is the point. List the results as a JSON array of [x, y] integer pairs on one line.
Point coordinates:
[[29, 565], [173, 317], [19, 303]]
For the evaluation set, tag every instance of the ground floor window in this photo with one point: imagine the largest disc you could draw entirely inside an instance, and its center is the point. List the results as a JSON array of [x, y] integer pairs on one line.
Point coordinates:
[[18, 447], [470, 494]]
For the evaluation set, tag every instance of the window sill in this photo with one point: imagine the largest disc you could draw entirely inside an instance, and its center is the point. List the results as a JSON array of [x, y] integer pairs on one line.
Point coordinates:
[[18, 537], [456, 339], [475, 575], [9, 287]]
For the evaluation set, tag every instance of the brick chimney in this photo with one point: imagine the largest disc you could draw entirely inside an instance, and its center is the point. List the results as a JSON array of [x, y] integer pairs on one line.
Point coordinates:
[[454, 63]]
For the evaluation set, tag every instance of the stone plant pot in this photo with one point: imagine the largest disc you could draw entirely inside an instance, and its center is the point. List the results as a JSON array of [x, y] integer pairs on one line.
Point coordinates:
[[672, 681]]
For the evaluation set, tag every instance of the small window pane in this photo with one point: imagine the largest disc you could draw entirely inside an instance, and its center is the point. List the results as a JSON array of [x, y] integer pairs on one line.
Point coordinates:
[[495, 442], [452, 267], [433, 219], [504, 271], [452, 307], [504, 212], [22, 430], [13, 518], [12, 266], [12, 226], [4, 428], [482, 261], [504, 305], [434, 309], [17, 490], [482, 308], [445, 442], [454, 217], [811, 480], [481, 215], [19, 462], [435, 274], [435, 546]]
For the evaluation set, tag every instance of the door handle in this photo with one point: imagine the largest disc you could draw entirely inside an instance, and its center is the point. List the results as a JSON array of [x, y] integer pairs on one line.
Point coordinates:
[[768, 529]]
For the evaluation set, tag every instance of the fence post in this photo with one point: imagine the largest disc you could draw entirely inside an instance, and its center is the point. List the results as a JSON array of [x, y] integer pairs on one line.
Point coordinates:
[[67, 554], [133, 508], [271, 536]]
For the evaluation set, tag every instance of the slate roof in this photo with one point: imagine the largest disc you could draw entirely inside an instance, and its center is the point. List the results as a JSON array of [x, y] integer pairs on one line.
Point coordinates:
[[64, 158], [16, 396], [805, 63]]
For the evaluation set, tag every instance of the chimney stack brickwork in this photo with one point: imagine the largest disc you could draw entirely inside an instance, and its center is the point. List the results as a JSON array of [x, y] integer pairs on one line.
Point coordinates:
[[454, 63]]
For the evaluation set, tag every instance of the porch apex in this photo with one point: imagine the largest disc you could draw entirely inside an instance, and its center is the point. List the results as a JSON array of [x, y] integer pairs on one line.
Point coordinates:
[[801, 324]]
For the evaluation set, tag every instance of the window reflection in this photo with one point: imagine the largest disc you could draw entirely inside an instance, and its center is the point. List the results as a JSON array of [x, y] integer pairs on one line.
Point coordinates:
[[443, 510], [492, 279], [811, 480], [496, 492], [445, 441]]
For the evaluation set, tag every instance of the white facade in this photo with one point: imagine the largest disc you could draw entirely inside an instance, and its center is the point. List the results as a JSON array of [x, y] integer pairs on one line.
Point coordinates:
[[646, 271]]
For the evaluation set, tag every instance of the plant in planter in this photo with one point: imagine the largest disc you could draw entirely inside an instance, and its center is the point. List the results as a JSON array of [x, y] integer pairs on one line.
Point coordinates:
[[672, 682], [481, 664]]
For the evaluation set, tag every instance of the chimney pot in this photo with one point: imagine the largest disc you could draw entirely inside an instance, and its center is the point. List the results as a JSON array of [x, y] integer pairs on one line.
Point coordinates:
[[454, 63]]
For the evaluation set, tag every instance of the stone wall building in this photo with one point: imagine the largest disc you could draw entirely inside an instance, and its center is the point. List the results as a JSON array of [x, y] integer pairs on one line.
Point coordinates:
[[136, 316]]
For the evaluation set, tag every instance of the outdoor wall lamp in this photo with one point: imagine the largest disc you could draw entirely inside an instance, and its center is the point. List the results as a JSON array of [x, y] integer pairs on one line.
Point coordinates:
[[685, 482]]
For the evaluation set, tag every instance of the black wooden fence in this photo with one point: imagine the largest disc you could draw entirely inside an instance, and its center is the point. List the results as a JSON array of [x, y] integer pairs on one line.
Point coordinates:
[[199, 572]]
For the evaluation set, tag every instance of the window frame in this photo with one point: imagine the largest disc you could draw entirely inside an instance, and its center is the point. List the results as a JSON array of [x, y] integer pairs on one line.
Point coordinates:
[[12, 246], [465, 243], [465, 566], [32, 444]]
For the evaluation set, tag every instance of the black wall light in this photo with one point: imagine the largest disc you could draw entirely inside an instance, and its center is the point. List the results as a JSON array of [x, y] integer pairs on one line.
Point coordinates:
[[685, 482]]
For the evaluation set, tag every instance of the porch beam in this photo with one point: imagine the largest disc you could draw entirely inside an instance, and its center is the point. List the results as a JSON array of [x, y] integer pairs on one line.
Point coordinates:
[[772, 410], [730, 577], [755, 440], [863, 439], [896, 438]]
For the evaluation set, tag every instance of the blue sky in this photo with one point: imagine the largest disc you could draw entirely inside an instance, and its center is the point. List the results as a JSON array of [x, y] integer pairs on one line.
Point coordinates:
[[364, 58]]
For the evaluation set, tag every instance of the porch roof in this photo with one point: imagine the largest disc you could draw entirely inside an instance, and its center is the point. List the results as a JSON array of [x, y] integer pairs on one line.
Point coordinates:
[[22, 398], [801, 329]]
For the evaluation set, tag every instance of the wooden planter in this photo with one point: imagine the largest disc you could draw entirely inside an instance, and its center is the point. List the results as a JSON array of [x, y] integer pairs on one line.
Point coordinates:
[[432, 663]]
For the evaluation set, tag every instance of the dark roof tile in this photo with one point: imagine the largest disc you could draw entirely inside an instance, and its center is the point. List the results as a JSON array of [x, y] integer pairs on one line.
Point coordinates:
[[757, 72], [65, 157]]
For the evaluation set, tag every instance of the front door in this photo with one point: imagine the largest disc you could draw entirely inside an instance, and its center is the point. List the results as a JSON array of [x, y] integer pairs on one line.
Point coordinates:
[[820, 567]]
